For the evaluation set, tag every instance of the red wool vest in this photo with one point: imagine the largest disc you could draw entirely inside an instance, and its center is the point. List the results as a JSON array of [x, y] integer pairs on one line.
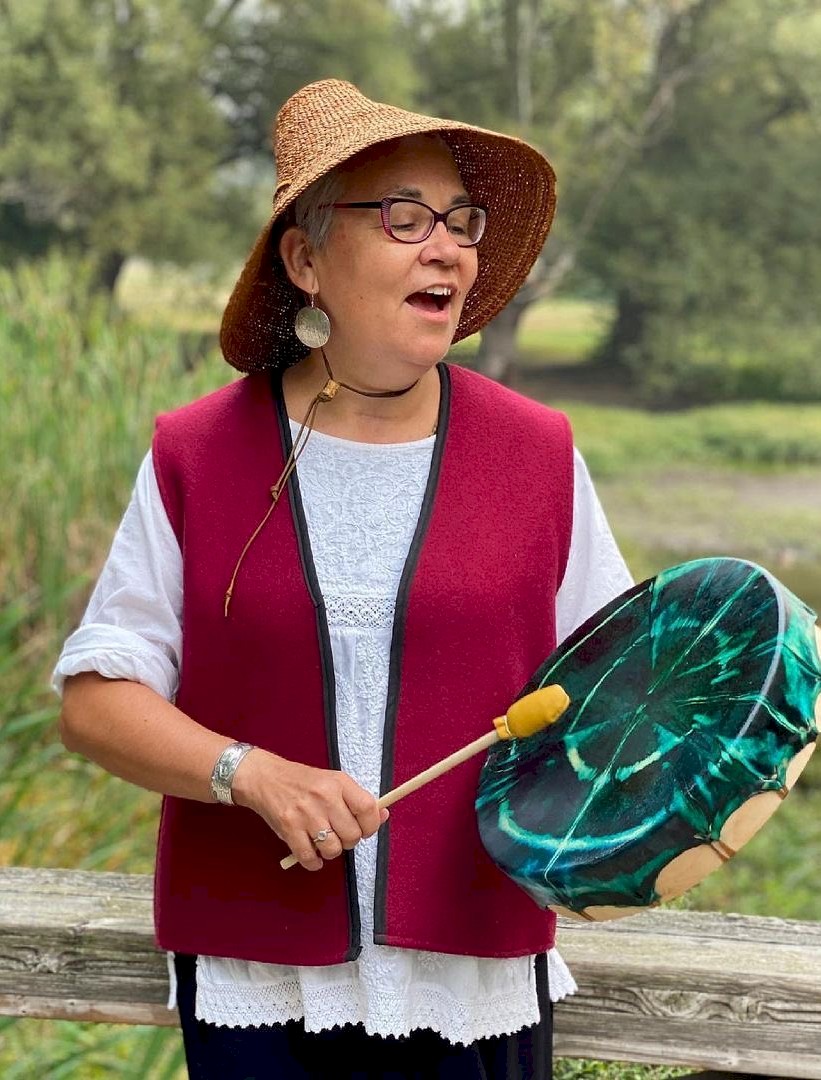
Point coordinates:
[[474, 619]]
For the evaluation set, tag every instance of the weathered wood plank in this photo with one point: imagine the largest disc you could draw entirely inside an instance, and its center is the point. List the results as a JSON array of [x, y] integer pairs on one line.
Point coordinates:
[[727, 993], [732, 993], [107, 1012], [75, 944]]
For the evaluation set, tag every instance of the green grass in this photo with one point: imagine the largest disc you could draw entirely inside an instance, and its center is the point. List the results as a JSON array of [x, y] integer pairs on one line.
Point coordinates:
[[619, 441], [666, 516], [558, 331], [79, 389], [569, 1069], [561, 330], [65, 1050], [184, 300]]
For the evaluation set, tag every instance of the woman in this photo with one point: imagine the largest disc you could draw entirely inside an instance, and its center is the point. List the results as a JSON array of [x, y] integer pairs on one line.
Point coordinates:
[[338, 568]]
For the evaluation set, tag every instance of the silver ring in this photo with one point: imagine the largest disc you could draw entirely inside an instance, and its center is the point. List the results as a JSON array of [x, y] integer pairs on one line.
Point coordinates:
[[323, 834]]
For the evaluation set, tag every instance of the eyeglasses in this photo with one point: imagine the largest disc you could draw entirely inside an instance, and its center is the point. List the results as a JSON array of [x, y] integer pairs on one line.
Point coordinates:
[[411, 222]]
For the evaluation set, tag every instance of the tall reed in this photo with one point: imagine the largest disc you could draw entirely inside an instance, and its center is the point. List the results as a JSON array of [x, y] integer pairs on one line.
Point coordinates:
[[79, 388]]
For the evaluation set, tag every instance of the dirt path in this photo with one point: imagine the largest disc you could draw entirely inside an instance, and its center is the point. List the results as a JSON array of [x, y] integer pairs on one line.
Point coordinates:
[[797, 488]]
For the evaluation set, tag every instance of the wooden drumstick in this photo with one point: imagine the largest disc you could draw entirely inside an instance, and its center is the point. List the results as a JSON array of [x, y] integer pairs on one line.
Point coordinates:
[[525, 717]]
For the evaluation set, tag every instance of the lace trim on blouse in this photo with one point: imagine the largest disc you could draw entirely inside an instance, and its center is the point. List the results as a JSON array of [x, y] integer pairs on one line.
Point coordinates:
[[360, 612]]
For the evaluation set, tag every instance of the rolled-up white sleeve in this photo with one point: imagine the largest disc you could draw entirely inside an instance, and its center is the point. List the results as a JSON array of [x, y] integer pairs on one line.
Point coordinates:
[[132, 627], [596, 571]]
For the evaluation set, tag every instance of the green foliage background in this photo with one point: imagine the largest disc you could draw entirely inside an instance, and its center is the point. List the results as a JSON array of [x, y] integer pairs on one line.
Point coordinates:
[[684, 133], [685, 136]]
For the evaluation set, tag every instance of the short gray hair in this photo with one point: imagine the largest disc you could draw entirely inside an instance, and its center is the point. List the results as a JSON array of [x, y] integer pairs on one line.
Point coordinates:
[[313, 212]]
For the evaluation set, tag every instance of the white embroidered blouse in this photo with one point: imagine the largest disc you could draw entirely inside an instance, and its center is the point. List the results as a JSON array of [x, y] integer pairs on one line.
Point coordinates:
[[361, 501]]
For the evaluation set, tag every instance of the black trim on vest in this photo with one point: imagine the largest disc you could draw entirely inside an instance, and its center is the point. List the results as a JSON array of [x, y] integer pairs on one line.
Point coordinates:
[[326, 655], [397, 643]]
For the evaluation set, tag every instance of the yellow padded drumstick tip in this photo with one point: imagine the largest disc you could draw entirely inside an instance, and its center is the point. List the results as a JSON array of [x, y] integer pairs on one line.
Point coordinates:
[[525, 717], [532, 713]]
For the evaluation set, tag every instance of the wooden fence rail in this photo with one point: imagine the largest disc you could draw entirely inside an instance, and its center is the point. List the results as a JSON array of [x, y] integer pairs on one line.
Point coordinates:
[[723, 992]]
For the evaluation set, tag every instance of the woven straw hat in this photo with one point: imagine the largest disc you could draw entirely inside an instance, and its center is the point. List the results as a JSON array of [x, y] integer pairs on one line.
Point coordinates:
[[325, 124]]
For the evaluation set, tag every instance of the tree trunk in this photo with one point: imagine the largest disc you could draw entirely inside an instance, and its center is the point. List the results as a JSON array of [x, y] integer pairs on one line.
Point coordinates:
[[108, 270], [673, 67], [626, 330], [519, 27], [496, 357]]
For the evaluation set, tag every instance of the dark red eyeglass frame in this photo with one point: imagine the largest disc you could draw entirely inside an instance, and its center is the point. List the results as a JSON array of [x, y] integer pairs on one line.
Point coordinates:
[[384, 206]]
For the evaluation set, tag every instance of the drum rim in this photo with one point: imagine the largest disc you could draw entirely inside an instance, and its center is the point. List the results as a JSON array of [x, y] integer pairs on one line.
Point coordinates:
[[783, 600]]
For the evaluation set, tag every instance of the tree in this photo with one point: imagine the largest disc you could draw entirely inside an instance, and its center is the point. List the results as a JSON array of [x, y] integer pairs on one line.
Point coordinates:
[[139, 126], [712, 248], [288, 43], [614, 91], [576, 77], [108, 137]]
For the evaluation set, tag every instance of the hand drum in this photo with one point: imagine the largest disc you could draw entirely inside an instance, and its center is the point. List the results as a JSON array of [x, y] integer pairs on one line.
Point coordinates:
[[692, 714]]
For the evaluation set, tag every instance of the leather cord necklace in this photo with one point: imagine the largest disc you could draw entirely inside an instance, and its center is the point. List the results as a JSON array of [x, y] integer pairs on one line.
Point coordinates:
[[327, 393]]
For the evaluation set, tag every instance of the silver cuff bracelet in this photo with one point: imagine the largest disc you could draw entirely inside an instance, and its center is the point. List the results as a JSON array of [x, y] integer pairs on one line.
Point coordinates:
[[223, 775]]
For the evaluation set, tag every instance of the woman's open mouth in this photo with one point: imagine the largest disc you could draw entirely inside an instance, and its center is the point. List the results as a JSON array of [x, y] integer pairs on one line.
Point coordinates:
[[433, 302]]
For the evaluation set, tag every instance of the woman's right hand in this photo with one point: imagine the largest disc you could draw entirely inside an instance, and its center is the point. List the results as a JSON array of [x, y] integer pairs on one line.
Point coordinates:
[[298, 801], [134, 733]]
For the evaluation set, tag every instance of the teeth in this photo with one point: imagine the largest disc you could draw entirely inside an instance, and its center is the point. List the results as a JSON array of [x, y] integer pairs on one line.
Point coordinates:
[[439, 290]]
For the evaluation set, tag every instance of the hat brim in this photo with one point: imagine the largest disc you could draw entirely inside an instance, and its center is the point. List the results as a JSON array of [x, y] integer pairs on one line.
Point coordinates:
[[511, 179]]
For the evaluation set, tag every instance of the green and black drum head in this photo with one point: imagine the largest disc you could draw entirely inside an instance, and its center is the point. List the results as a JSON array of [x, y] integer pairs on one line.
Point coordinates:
[[692, 712]]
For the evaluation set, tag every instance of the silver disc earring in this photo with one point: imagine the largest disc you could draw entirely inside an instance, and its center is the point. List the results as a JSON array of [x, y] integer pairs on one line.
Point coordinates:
[[312, 326]]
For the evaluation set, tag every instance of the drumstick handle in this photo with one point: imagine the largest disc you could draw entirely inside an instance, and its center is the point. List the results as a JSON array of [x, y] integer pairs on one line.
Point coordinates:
[[443, 766], [422, 778]]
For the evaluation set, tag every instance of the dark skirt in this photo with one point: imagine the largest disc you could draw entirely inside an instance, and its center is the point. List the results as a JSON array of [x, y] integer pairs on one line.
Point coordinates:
[[288, 1052]]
